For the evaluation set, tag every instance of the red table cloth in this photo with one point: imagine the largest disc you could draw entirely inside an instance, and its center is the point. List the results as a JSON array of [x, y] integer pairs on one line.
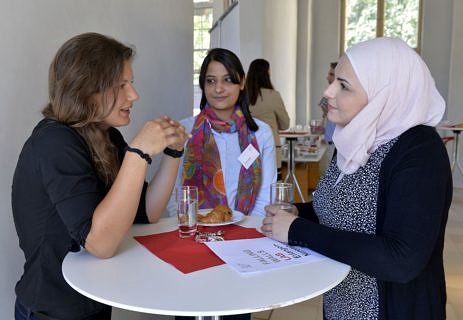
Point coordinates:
[[187, 255]]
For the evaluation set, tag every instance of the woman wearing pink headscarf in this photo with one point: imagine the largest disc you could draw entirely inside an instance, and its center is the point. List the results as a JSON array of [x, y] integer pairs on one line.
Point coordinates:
[[382, 205]]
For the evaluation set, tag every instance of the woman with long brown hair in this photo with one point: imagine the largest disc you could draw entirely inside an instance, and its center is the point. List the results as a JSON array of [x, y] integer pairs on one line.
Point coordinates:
[[77, 183], [266, 103]]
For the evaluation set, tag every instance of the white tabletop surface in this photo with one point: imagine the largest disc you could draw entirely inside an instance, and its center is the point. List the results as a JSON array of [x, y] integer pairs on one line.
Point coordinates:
[[293, 134], [450, 128], [135, 279]]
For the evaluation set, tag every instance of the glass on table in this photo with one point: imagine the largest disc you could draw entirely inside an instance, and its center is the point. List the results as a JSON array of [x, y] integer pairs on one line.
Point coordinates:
[[316, 126], [281, 195], [187, 208]]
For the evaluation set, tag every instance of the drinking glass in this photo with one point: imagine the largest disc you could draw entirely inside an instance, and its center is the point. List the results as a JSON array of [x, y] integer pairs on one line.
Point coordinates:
[[281, 195], [316, 126], [187, 208]]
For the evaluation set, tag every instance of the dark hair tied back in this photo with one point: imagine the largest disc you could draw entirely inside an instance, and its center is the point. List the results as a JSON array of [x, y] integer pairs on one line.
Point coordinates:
[[258, 77]]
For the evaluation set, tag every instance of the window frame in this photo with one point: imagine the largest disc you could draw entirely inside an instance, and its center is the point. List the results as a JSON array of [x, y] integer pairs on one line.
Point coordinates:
[[198, 6], [379, 23], [201, 6]]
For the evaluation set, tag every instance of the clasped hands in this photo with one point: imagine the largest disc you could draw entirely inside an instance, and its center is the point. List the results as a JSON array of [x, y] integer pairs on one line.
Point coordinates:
[[159, 133], [277, 221]]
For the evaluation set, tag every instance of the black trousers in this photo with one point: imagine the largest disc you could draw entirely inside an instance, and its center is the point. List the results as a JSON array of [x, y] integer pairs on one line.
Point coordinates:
[[21, 312]]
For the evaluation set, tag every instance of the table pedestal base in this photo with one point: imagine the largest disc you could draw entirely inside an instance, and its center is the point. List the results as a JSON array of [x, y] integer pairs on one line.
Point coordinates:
[[307, 174], [291, 176], [455, 152]]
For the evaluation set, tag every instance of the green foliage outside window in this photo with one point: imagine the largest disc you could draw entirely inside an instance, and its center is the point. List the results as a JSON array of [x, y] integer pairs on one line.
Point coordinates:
[[401, 19], [361, 21]]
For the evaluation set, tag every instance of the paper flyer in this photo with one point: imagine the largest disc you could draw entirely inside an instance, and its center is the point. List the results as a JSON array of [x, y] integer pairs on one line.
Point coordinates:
[[261, 254]]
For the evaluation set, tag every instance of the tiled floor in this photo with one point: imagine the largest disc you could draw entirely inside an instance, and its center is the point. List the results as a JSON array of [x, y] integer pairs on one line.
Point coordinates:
[[453, 259]]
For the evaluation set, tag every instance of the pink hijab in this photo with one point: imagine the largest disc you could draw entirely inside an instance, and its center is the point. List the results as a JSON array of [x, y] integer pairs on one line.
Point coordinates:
[[401, 94]]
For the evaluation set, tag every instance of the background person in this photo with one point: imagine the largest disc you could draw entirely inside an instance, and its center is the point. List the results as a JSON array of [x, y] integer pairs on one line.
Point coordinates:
[[266, 102], [382, 205], [77, 183], [329, 126]]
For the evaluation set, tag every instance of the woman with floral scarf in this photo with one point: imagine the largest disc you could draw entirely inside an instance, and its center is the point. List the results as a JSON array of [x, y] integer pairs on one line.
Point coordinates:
[[222, 132], [230, 156]]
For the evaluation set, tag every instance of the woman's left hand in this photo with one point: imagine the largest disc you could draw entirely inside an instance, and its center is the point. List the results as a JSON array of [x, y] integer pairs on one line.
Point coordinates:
[[276, 223]]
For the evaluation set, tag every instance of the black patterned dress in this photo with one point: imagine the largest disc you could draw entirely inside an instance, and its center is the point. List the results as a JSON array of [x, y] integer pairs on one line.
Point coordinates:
[[351, 204]]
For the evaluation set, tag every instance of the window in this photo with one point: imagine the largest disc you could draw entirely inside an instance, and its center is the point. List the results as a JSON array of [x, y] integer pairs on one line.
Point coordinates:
[[366, 19], [202, 23]]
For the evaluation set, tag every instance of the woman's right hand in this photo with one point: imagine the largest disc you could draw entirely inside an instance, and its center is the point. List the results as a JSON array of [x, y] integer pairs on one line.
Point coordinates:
[[157, 134], [276, 223]]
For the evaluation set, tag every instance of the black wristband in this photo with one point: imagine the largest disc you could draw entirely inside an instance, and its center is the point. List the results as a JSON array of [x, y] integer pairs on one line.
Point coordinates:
[[140, 153], [173, 153]]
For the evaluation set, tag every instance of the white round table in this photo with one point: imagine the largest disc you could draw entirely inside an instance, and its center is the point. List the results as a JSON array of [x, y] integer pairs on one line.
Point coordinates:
[[135, 279]]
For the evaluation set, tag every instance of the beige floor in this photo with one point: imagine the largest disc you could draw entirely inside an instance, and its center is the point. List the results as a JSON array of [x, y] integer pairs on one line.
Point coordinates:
[[453, 258]]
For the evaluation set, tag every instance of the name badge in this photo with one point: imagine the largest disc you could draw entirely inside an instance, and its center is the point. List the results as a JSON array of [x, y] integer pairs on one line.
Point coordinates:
[[248, 156]]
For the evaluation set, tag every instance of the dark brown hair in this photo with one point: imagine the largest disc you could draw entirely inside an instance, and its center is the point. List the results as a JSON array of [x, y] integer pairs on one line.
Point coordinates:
[[86, 65], [258, 77]]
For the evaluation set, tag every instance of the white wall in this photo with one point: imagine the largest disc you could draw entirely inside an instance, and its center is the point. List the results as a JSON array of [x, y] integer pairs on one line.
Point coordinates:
[[32, 31], [455, 92], [251, 29], [437, 40], [280, 49], [304, 56], [226, 32], [267, 29], [324, 47]]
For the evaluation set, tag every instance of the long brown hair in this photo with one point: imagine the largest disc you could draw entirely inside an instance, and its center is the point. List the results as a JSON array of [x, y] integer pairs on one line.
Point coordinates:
[[84, 66], [258, 77]]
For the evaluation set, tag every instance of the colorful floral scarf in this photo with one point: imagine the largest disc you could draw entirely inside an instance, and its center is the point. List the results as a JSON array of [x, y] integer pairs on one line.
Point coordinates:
[[201, 164]]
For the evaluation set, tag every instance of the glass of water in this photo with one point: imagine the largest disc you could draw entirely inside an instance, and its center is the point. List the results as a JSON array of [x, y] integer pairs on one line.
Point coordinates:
[[187, 208], [281, 195]]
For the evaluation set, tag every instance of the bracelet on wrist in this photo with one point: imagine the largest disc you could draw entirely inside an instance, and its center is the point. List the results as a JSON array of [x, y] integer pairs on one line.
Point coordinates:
[[143, 155], [173, 153]]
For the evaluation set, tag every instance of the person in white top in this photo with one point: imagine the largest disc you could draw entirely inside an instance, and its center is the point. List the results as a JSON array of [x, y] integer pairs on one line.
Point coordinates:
[[230, 156]]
